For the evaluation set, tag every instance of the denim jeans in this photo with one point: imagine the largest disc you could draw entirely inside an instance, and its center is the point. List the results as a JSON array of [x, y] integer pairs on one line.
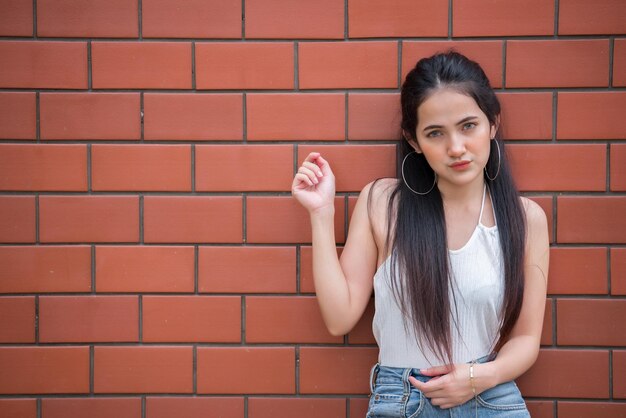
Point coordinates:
[[393, 396]]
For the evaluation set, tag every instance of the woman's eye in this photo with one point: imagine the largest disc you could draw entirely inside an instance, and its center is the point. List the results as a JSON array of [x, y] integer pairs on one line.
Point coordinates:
[[468, 125], [433, 134]]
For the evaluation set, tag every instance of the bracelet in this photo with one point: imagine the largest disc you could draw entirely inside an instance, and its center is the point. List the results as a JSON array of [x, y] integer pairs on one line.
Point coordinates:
[[471, 377]]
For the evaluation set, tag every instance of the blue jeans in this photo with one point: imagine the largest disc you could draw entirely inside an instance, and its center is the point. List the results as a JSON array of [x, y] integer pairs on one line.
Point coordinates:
[[393, 396]]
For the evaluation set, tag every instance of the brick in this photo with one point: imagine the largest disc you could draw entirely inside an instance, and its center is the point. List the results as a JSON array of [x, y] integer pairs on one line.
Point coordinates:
[[327, 370], [374, 116], [45, 269], [17, 319], [618, 167], [279, 320], [575, 271], [90, 116], [487, 53], [153, 369], [141, 65], [488, 18], [17, 113], [193, 219], [43, 64], [89, 218], [590, 115], [558, 373], [540, 409], [196, 407], [87, 19], [578, 17], [141, 167], [558, 167], [266, 270], [278, 219], [17, 219], [355, 166], [258, 65], [362, 331], [358, 407], [307, 284], [547, 337], [93, 319], [18, 408], [557, 58], [223, 168], [596, 220], [591, 322], [619, 63], [91, 407], [402, 18], [545, 202], [372, 64], [591, 409], [191, 319], [619, 374], [296, 407], [618, 271], [44, 370], [144, 269], [16, 18], [254, 370], [191, 19], [43, 167], [526, 115], [289, 19], [197, 117], [302, 117]]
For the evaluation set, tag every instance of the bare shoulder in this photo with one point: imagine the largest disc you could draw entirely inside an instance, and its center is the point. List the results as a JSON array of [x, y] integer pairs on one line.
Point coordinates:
[[535, 216], [376, 196]]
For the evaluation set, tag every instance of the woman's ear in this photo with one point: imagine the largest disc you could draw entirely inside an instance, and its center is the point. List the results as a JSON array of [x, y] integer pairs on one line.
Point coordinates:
[[494, 128], [412, 141]]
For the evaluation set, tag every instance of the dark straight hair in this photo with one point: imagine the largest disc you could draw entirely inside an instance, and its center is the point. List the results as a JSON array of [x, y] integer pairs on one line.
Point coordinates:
[[416, 235]]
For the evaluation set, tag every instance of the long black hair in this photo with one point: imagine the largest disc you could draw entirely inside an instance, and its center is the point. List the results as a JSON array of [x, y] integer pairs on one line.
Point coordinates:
[[416, 235]]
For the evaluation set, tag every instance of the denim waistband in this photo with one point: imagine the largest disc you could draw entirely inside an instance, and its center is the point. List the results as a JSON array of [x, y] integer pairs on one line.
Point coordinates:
[[400, 375]]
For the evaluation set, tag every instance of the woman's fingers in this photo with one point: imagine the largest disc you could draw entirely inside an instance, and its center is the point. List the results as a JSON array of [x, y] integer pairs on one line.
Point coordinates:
[[309, 173], [302, 178]]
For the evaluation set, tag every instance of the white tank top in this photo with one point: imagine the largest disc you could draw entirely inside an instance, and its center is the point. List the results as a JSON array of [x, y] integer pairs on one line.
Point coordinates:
[[477, 289]]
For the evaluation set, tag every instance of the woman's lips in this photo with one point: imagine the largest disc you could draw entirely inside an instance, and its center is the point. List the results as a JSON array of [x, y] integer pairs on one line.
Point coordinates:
[[461, 165]]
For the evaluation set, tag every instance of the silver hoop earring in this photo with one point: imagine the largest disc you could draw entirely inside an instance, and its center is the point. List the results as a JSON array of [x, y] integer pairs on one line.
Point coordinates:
[[407, 184], [498, 171]]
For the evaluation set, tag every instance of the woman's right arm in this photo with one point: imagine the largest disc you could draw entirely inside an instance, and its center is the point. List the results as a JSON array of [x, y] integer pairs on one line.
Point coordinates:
[[343, 287]]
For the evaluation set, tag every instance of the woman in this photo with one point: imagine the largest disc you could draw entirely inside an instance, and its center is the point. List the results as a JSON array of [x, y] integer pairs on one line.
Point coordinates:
[[457, 259]]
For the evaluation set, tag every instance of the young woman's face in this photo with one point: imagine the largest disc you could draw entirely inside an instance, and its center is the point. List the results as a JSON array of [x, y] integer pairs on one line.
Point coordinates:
[[453, 134]]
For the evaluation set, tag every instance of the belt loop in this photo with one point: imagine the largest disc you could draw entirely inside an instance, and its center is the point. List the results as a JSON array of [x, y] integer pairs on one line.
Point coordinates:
[[373, 375], [405, 380]]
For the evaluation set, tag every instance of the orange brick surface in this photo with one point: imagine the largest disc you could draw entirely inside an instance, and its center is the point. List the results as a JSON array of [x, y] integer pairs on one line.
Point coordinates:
[[31, 64], [194, 407], [16, 18], [556, 59], [18, 115], [289, 19], [121, 407], [220, 370], [17, 219], [18, 408], [153, 369], [17, 319], [93, 319], [191, 19], [43, 167], [90, 116], [87, 19]]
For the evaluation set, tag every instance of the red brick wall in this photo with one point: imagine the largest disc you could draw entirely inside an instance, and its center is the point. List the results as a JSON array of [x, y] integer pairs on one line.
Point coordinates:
[[152, 261]]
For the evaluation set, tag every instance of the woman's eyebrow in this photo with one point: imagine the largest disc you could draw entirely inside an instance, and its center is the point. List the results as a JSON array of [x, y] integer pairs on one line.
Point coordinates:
[[465, 119]]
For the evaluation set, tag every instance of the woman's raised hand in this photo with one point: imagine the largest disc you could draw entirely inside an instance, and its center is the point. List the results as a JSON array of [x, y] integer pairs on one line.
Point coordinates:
[[314, 184]]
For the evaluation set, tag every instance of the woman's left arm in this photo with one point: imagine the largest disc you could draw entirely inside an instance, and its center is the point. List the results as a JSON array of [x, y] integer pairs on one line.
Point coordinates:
[[517, 355], [520, 351]]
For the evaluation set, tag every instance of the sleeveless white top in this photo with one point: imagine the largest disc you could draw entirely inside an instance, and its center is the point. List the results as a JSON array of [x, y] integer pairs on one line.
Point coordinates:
[[476, 292]]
